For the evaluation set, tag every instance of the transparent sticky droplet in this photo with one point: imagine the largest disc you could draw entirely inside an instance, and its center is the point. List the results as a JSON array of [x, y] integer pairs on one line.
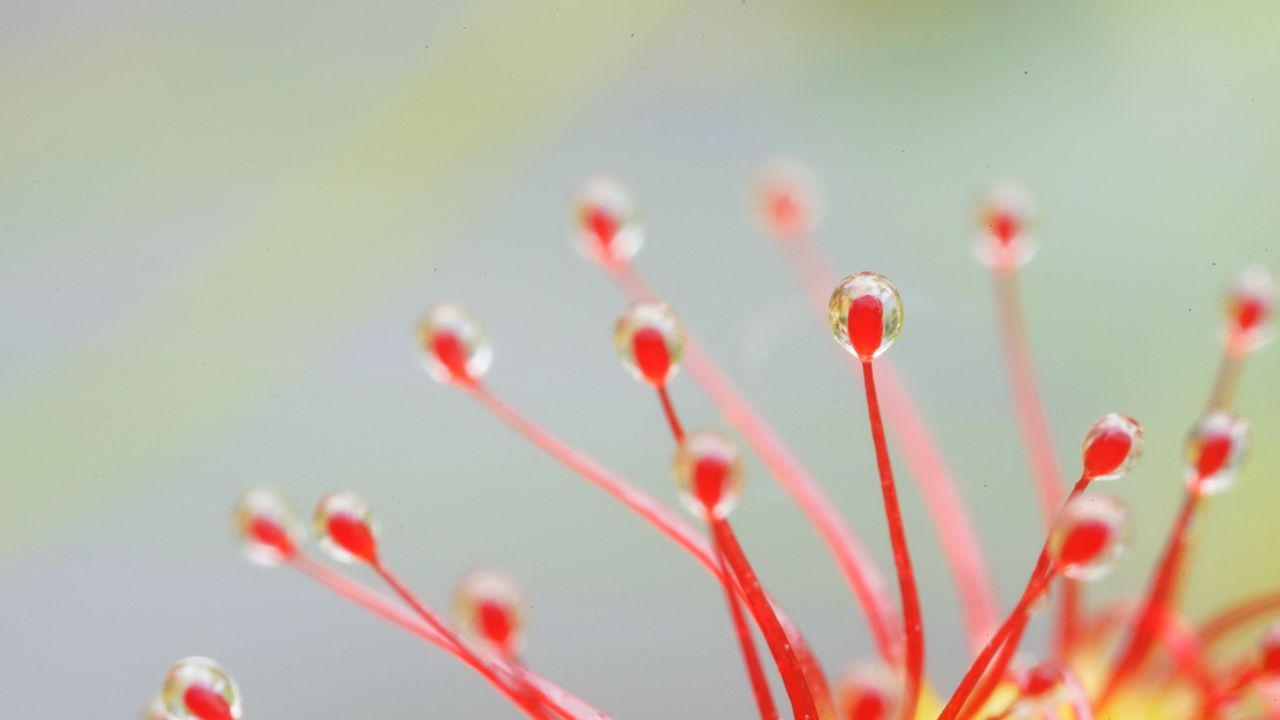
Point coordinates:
[[346, 528], [197, 688], [270, 530], [1216, 450], [608, 229], [1249, 304], [489, 608], [788, 199], [1004, 238], [649, 341], [865, 314], [708, 474], [1090, 535], [869, 691], [455, 348], [155, 710], [1043, 692], [1112, 447]]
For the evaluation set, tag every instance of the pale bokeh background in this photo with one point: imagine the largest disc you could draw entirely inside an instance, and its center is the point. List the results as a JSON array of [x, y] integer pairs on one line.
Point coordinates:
[[218, 223]]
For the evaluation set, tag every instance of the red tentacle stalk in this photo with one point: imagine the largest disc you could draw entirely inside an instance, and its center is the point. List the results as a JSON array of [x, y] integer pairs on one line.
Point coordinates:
[[563, 703], [650, 510], [669, 410], [999, 667], [1233, 618], [1158, 601], [532, 706], [789, 666], [1030, 409], [913, 622], [750, 658], [855, 563], [925, 462]]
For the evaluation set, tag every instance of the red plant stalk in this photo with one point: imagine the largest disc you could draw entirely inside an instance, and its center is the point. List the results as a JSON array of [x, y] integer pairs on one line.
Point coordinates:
[[1216, 628], [653, 512], [562, 702], [677, 430], [855, 563], [913, 622], [924, 460]]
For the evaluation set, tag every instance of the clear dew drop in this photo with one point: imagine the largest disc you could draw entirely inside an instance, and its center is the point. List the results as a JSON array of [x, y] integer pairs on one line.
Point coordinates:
[[346, 528], [708, 474], [1249, 304], [455, 348], [1090, 535], [1112, 447], [788, 199], [1004, 239], [650, 342], [155, 710], [869, 691], [1043, 692], [488, 608], [866, 314], [197, 688], [1216, 450], [270, 530], [608, 230]]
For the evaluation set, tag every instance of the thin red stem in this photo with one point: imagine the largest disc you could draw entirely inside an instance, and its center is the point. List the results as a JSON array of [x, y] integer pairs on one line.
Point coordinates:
[[677, 430], [1068, 630], [1227, 379], [1030, 409], [995, 674], [1159, 600], [1219, 626], [750, 658], [913, 622], [560, 701], [851, 556], [789, 666], [433, 621], [924, 460], [650, 510]]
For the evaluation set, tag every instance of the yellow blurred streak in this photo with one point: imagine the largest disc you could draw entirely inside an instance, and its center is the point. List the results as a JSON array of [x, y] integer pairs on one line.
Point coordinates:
[[86, 432]]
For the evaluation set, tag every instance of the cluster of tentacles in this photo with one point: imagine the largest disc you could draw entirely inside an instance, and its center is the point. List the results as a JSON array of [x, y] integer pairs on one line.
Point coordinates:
[[1143, 659]]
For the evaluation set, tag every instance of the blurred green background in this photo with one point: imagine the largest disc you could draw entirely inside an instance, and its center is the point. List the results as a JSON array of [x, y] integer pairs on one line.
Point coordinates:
[[219, 222]]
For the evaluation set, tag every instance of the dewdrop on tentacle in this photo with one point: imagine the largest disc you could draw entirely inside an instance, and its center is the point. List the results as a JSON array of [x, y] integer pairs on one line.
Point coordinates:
[[346, 528], [866, 314], [1216, 450], [869, 691], [1042, 692], [708, 474], [489, 608], [1004, 241], [454, 345], [1249, 304], [1090, 535], [1112, 447], [650, 342], [608, 231], [788, 199], [269, 529], [155, 710], [197, 688]]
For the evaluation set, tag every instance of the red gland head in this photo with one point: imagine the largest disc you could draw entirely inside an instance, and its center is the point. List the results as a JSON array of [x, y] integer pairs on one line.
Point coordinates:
[[1269, 659], [650, 342], [788, 199], [454, 346], [1216, 450], [865, 314], [1042, 691], [608, 231], [708, 474], [268, 527], [346, 528], [869, 691], [489, 608], [1089, 536], [1004, 242], [197, 688], [1248, 311], [1112, 447]]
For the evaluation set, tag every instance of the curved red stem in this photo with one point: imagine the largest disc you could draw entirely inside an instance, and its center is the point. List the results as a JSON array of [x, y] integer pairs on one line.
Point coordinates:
[[750, 658], [924, 460], [913, 622], [789, 666], [1217, 627], [995, 674], [669, 410]]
